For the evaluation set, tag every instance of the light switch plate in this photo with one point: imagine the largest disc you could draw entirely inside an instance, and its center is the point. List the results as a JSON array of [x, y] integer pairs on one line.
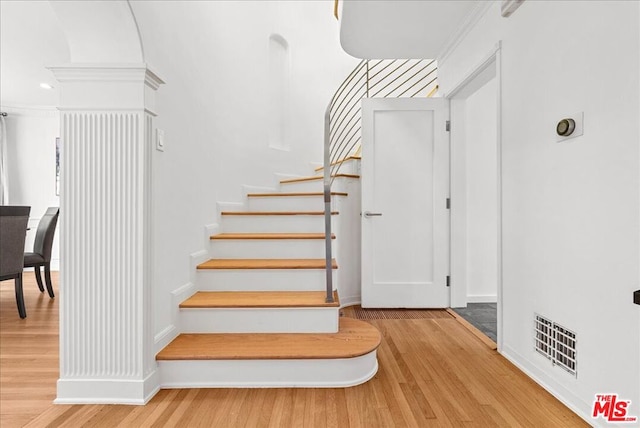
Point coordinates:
[[578, 131], [160, 140]]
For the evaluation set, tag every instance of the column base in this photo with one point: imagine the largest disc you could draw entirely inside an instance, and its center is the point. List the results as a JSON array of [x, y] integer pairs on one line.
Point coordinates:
[[108, 391]]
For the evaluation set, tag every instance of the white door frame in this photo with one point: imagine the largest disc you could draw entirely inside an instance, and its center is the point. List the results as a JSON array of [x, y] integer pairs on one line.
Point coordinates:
[[488, 68]]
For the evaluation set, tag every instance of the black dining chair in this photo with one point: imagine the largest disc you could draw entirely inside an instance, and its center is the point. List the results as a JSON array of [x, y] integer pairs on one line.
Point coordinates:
[[13, 232], [41, 255]]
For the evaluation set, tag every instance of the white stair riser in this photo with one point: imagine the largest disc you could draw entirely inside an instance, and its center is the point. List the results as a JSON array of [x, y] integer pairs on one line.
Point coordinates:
[[304, 186], [268, 248], [349, 167], [260, 320], [263, 280], [289, 203], [276, 223], [312, 373], [339, 185]]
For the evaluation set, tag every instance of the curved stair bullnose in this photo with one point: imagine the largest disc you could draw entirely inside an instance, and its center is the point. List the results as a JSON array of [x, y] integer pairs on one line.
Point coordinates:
[[345, 358]]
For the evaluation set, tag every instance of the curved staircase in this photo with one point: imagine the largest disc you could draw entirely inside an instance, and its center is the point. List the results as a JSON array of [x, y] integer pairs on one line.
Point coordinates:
[[260, 317], [266, 313]]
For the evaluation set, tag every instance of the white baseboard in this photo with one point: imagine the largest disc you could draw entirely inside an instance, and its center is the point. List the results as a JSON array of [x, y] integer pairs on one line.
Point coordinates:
[[209, 230], [228, 206], [482, 298], [108, 391], [564, 395], [349, 301], [197, 258], [247, 188], [180, 294], [164, 337]]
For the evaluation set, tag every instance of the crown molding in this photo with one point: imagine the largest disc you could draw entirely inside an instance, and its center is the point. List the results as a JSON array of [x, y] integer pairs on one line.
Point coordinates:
[[470, 21], [29, 111], [80, 72]]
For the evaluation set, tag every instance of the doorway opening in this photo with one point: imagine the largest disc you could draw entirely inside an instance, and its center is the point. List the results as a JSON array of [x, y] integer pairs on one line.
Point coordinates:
[[476, 197]]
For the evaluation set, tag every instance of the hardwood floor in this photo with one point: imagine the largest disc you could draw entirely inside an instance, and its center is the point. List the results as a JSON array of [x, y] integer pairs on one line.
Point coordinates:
[[433, 372], [28, 352]]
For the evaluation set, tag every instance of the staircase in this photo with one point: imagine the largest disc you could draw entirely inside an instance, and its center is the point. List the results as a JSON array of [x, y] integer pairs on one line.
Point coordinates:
[[260, 317], [266, 313]]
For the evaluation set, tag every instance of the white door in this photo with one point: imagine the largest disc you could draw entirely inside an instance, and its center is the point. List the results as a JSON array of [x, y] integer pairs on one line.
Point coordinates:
[[405, 186]]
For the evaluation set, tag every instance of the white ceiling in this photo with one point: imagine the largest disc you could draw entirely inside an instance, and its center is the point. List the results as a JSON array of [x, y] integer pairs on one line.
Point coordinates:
[[390, 29], [30, 40]]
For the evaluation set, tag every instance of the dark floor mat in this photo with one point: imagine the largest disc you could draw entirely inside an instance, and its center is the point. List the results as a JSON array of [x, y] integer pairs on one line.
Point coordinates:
[[395, 314]]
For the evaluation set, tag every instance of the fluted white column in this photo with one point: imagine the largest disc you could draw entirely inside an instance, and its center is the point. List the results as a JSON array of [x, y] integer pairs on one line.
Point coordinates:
[[106, 331]]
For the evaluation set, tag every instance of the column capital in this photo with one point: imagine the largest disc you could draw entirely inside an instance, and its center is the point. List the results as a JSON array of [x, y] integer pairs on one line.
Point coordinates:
[[94, 86]]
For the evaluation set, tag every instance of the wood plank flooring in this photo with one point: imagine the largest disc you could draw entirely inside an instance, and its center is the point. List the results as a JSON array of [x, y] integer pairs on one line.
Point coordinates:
[[28, 352], [433, 373]]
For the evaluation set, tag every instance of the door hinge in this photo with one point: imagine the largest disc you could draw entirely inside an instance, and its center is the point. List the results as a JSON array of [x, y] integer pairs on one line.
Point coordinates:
[[448, 280], [448, 203], [448, 126]]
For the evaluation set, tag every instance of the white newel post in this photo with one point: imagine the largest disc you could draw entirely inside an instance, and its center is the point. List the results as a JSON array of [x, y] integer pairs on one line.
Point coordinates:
[[106, 319]]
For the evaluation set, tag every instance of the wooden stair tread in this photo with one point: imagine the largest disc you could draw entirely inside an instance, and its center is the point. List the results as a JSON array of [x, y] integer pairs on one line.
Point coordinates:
[[259, 299], [347, 159], [276, 213], [284, 194], [316, 177], [265, 264], [224, 236], [354, 338]]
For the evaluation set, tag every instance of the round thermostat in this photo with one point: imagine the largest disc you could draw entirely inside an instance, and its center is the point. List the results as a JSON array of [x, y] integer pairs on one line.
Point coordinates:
[[566, 127]]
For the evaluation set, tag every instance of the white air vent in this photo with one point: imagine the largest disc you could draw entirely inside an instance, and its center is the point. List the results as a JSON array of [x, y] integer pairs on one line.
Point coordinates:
[[544, 336], [556, 343]]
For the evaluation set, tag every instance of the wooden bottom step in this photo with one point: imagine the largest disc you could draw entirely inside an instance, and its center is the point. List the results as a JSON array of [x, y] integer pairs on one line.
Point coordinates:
[[354, 339], [342, 359]]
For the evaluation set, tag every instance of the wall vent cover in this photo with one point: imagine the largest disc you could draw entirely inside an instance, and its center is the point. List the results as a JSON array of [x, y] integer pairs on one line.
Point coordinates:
[[556, 343], [544, 336]]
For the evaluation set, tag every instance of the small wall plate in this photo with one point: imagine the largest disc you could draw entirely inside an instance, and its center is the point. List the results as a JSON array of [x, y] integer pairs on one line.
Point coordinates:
[[160, 140], [578, 118]]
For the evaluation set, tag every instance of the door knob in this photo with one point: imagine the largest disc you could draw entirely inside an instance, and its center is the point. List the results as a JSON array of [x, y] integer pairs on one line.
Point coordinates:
[[370, 214]]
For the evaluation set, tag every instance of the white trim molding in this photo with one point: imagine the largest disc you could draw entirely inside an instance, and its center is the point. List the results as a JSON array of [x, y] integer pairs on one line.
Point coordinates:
[[108, 391], [464, 29], [482, 298], [106, 73]]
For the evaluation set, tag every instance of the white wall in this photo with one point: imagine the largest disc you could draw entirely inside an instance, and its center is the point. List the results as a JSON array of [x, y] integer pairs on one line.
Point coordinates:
[[571, 222], [31, 166], [482, 194], [214, 109]]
